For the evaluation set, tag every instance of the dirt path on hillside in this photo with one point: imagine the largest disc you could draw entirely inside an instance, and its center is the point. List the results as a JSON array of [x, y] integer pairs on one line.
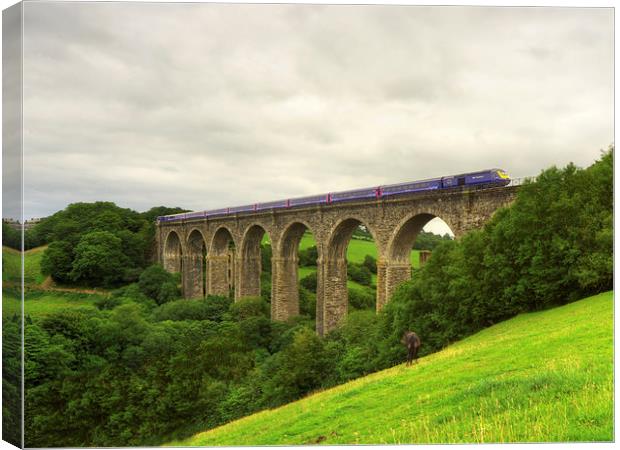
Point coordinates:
[[48, 285]]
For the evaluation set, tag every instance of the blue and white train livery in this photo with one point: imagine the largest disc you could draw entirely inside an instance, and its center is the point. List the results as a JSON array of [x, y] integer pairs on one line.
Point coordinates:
[[484, 178]]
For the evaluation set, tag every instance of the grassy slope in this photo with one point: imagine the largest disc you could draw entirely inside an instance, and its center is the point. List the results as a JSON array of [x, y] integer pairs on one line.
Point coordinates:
[[37, 302], [11, 263], [358, 249], [545, 376]]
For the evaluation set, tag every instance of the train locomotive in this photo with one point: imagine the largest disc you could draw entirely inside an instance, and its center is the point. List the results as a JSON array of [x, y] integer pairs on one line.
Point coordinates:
[[484, 178]]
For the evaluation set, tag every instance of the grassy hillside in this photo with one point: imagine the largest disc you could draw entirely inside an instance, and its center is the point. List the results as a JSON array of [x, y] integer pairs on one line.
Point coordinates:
[[539, 377], [358, 249], [38, 301], [11, 263]]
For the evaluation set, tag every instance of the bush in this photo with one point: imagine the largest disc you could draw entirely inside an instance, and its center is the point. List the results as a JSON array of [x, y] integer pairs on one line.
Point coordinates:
[[156, 283], [250, 307], [309, 282], [361, 298], [213, 308], [359, 273], [99, 259], [298, 369], [307, 302], [308, 256], [265, 255], [370, 263], [57, 261]]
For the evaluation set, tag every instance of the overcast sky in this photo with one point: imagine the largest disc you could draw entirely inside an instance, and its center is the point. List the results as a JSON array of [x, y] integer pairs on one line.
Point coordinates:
[[205, 106]]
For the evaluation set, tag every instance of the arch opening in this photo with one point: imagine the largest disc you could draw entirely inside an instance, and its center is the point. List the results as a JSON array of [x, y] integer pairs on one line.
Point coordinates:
[[350, 272], [419, 233], [221, 266], [295, 276], [173, 252], [196, 284], [254, 264], [404, 255]]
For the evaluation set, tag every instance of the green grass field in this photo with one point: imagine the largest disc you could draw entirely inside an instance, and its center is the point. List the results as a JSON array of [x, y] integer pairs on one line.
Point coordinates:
[[40, 303], [37, 302], [539, 377], [11, 265], [358, 249]]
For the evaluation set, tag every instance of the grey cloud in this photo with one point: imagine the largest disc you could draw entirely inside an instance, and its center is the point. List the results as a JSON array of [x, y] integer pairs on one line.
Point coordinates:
[[210, 105]]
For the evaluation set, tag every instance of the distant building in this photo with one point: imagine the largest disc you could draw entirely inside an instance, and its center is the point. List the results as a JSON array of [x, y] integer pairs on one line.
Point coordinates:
[[13, 223], [28, 224]]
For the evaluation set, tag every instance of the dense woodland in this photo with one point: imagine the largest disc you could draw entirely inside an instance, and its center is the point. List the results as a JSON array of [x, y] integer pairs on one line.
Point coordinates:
[[146, 366]]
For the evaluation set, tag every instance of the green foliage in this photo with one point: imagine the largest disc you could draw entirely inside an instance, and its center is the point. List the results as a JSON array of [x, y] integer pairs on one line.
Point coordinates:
[[57, 261], [359, 273], [213, 308], [11, 378], [297, 369], [361, 298], [309, 282], [552, 246], [247, 307], [307, 302], [265, 255], [539, 377], [158, 284], [370, 263], [427, 240], [99, 259], [11, 237], [308, 256], [98, 243]]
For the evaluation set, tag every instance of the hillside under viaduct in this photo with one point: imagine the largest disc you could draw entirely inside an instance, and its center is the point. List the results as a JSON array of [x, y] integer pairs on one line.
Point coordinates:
[[203, 249]]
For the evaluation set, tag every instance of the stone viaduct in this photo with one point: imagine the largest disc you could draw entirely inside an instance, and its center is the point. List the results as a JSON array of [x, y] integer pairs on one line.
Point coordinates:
[[203, 249]]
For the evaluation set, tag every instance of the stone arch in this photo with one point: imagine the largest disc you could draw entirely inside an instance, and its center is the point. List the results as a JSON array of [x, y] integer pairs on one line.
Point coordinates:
[[221, 270], [249, 262], [195, 282], [396, 269], [285, 265], [173, 252], [221, 241], [403, 238], [335, 292]]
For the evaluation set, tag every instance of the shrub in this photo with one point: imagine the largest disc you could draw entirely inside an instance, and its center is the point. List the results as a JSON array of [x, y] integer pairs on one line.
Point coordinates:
[[359, 273], [156, 283], [361, 298], [249, 307], [307, 302], [308, 256], [370, 263], [212, 308], [309, 282]]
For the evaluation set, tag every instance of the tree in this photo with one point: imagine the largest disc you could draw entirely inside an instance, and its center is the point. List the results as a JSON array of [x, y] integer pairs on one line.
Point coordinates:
[[308, 256], [57, 261], [158, 284], [370, 263], [99, 259]]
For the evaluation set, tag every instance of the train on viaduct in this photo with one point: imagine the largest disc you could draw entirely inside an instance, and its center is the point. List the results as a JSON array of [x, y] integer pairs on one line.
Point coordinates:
[[205, 247]]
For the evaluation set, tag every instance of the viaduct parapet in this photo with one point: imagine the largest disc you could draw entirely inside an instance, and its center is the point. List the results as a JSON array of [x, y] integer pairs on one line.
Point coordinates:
[[216, 253]]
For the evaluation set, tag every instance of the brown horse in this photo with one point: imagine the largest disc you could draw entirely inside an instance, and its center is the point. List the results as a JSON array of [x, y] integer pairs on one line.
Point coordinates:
[[412, 342]]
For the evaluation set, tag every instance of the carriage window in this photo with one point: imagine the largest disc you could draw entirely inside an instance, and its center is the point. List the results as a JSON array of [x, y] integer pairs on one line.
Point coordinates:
[[461, 181]]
